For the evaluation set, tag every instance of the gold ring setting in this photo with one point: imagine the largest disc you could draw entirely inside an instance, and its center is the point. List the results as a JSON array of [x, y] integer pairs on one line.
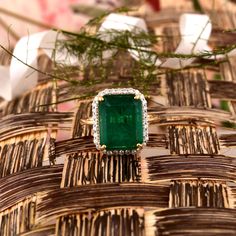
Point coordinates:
[[120, 123]]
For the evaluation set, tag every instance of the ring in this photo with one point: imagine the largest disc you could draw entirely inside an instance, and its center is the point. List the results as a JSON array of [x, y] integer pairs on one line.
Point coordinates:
[[120, 123]]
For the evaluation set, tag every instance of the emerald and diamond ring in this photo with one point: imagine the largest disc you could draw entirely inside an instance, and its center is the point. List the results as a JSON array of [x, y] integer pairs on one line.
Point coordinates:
[[120, 120]]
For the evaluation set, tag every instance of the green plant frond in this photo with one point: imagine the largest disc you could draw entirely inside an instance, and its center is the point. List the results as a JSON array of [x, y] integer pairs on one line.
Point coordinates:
[[97, 54]]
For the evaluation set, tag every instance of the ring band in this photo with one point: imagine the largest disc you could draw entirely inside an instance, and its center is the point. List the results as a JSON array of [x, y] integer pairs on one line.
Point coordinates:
[[89, 121]]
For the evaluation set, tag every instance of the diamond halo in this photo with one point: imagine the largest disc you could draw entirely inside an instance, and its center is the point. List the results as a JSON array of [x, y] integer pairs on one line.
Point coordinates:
[[95, 116]]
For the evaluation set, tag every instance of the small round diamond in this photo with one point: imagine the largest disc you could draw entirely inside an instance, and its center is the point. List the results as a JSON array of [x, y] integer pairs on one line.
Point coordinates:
[[121, 152], [133, 152], [115, 152]]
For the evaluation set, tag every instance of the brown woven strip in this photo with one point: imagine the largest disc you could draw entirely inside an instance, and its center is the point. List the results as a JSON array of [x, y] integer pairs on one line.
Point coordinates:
[[228, 140], [38, 100], [188, 89], [102, 169], [187, 193], [117, 222], [223, 90], [195, 221], [193, 139], [57, 202], [16, 187], [177, 167], [85, 144], [24, 152], [40, 231], [165, 115], [19, 218], [13, 125]]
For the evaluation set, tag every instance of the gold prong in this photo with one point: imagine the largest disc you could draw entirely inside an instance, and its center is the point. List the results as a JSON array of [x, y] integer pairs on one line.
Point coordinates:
[[100, 99], [137, 97], [103, 147], [139, 146]]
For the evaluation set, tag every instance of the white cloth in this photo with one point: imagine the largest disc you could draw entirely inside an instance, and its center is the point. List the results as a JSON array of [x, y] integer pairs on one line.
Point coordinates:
[[117, 22], [195, 30], [19, 77]]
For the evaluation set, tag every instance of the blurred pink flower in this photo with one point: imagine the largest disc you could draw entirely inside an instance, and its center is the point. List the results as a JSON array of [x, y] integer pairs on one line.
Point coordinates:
[[56, 13]]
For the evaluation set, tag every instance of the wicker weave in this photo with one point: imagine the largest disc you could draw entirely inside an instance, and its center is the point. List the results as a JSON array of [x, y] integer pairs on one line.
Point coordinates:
[[182, 183]]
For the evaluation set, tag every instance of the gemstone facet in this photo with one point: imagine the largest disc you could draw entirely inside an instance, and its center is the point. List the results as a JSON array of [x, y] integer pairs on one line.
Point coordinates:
[[119, 120]]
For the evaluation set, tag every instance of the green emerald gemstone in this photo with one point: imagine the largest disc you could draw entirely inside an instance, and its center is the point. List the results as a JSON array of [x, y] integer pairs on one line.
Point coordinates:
[[120, 122]]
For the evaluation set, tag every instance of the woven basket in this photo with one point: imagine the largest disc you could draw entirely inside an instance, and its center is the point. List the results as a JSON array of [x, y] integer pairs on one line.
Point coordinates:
[[53, 181]]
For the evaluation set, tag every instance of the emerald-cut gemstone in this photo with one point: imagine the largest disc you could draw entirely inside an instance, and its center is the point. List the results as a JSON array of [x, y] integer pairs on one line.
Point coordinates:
[[120, 122]]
